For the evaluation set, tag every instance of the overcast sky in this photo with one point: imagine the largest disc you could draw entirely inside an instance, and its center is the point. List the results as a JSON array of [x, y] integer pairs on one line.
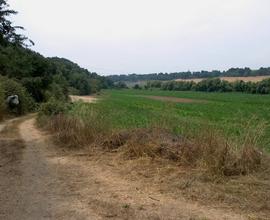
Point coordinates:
[[145, 36]]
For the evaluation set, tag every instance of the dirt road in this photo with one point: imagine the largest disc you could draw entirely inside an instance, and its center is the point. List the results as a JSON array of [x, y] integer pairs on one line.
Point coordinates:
[[40, 181]]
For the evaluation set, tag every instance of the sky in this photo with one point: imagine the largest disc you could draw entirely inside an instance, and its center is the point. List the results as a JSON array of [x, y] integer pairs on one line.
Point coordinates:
[[148, 36]]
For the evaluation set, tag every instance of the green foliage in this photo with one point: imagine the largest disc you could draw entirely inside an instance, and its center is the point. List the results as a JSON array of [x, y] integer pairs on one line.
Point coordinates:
[[35, 86], [80, 79], [136, 86], [120, 85], [12, 87], [38, 73], [2, 101], [8, 32], [53, 107], [263, 87], [213, 85]]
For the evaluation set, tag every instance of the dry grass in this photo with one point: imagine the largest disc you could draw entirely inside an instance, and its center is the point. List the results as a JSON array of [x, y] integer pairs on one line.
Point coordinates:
[[208, 151], [69, 132], [205, 167], [72, 132]]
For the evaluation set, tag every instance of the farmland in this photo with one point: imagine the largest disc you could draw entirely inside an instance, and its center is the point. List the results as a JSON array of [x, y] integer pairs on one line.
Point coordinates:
[[230, 113], [203, 147]]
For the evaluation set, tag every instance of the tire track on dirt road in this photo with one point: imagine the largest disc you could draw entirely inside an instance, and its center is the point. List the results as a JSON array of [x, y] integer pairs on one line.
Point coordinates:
[[33, 188]]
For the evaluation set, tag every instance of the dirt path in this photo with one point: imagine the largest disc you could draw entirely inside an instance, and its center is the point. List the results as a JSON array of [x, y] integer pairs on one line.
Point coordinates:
[[43, 182]]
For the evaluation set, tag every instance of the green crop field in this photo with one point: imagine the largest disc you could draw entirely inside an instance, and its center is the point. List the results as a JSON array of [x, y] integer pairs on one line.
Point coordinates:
[[233, 114]]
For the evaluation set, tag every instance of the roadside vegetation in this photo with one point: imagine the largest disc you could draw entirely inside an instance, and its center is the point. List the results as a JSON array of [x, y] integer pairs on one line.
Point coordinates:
[[232, 114], [218, 146]]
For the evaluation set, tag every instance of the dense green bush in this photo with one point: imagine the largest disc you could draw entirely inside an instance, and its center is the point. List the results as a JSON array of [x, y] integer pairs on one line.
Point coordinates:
[[263, 87], [136, 86], [35, 86], [120, 85], [53, 107], [2, 101], [214, 85], [12, 87]]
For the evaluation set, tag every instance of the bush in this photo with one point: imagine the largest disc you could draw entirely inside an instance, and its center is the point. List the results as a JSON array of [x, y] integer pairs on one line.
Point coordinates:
[[53, 107], [35, 86], [56, 91], [136, 86], [263, 87], [2, 102], [12, 87], [120, 85]]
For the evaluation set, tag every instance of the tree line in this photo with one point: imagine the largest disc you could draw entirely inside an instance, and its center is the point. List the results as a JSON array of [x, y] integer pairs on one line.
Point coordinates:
[[211, 85], [233, 72]]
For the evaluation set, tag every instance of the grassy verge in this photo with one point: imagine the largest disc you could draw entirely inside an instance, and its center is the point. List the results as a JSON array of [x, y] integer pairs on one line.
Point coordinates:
[[212, 150], [199, 134]]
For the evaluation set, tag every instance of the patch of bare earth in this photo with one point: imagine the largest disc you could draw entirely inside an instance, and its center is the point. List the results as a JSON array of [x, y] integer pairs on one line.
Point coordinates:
[[230, 79], [88, 99], [175, 99], [44, 181]]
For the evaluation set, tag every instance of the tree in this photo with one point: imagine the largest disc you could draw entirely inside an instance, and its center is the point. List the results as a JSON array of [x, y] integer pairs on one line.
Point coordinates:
[[136, 86], [8, 32]]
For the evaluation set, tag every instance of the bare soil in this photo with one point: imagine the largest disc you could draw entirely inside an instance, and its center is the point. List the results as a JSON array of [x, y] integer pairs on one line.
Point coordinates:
[[88, 99], [174, 99], [42, 181], [232, 79]]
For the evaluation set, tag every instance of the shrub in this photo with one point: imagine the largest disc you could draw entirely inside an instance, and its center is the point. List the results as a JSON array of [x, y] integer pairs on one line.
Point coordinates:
[[207, 150], [120, 85], [12, 87], [53, 107], [34, 86], [2, 102], [57, 91], [136, 86], [263, 87]]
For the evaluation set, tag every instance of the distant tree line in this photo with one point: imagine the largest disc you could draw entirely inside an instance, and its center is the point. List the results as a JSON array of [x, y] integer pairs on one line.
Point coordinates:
[[233, 72], [212, 85]]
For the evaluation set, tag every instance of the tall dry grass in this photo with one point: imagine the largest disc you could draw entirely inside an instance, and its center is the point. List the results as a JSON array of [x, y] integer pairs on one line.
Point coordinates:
[[74, 132], [207, 149]]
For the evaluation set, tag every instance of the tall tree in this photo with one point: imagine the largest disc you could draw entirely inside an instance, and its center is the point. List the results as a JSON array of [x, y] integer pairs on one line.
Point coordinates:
[[8, 32]]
